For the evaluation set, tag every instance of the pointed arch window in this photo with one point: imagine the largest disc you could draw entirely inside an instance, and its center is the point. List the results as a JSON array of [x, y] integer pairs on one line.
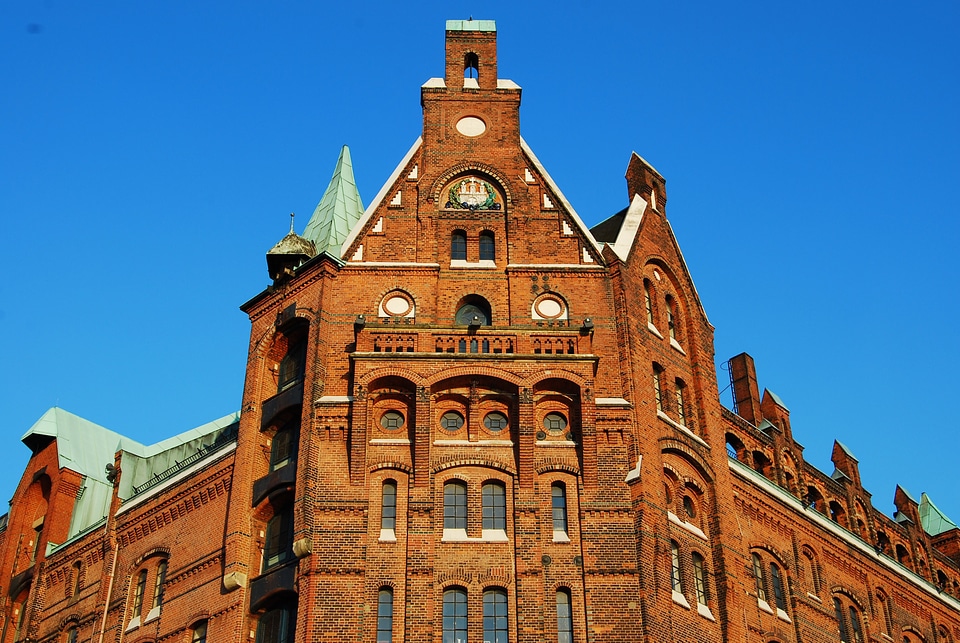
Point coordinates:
[[672, 318], [676, 580], [648, 302], [758, 577]]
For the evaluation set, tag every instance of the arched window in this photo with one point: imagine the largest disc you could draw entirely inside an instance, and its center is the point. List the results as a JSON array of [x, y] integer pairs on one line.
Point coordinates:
[[657, 388], [681, 403], [199, 634], [564, 617], [734, 446], [776, 582], [278, 625], [455, 505], [836, 512], [388, 506], [672, 318], [283, 446], [292, 365], [841, 621], [77, 580], [138, 592], [700, 579], [494, 502], [558, 499], [474, 311], [758, 577], [72, 634], [494, 616], [455, 616], [458, 245], [385, 615], [814, 499], [278, 539], [676, 580], [158, 582], [848, 620], [488, 246], [471, 65], [903, 556], [648, 302]]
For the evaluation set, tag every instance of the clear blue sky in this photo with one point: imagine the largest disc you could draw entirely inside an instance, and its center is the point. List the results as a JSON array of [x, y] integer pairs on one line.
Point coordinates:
[[150, 153]]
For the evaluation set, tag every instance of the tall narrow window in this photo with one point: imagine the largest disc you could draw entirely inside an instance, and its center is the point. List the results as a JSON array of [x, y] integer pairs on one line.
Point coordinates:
[[158, 583], [455, 616], [657, 390], [564, 617], [385, 616], [648, 302], [841, 623], [138, 593], [700, 578], [283, 447], [279, 534], [558, 493], [758, 577], [855, 628], [388, 506], [488, 247], [77, 582], [676, 580], [458, 245], [494, 506], [72, 635], [777, 582], [455, 505], [199, 634], [495, 616], [681, 406], [292, 365], [278, 625], [672, 317]]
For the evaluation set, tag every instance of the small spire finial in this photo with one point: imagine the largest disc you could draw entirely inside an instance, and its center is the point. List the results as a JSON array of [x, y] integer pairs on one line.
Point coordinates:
[[291, 222]]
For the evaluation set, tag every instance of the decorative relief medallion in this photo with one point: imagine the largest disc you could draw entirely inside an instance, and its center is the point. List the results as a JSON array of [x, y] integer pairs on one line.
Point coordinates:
[[471, 126], [471, 193]]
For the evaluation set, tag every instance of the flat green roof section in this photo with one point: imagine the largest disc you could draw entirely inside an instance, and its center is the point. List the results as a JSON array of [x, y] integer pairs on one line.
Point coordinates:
[[471, 25]]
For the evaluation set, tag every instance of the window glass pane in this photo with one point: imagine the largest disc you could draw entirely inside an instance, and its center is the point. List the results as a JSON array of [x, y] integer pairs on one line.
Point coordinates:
[[564, 618], [291, 366], [458, 245], [838, 614], [454, 616], [278, 625], [488, 249], [283, 448], [855, 625], [158, 584], [391, 420], [495, 616], [495, 421], [451, 421], [385, 616], [758, 577], [494, 507], [279, 534], [700, 579], [454, 505], [676, 580], [200, 633], [72, 635], [138, 594], [559, 499], [554, 422], [777, 583], [388, 508]]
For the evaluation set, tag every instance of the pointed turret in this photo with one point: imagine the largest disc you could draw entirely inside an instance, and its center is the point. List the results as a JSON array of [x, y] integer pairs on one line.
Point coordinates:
[[338, 210], [934, 521], [290, 252]]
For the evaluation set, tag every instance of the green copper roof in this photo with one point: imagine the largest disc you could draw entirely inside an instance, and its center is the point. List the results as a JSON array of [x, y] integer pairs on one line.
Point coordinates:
[[338, 210], [471, 25], [933, 520]]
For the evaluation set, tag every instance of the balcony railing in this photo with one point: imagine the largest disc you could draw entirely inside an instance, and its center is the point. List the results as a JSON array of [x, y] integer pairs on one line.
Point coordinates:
[[489, 342]]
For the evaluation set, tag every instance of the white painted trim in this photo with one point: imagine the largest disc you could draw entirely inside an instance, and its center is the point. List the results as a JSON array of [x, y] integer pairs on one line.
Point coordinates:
[[669, 420], [334, 399], [560, 536], [556, 443], [611, 401], [746, 473], [381, 195], [391, 264], [675, 344], [483, 263], [680, 599], [387, 536], [390, 441], [653, 329], [693, 529], [629, 227], [705, 612], [553, 266]]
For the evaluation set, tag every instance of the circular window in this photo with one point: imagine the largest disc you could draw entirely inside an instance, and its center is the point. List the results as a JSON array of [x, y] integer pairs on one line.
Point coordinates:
[[451, 421], [391, 420], [554, 422], [397, 305], [549, 307], [495, 421], [471, 126], [689, 508]]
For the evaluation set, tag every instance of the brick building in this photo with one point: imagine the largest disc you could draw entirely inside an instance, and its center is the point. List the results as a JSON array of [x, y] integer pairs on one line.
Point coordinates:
[[467, 416]]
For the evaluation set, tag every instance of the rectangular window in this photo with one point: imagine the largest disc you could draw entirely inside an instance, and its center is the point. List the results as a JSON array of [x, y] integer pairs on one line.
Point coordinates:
[[495, 616], [676, 580], [488, 249], [681, 412], [777, 583], [199, 633], [494, 507], [278, 540], [458, 246], [657, 391], [385, 616], [454, 505], [564, 618]]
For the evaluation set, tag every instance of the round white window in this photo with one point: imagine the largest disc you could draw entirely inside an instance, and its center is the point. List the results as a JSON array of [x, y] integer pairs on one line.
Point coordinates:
[[397, 305], [549, 308]]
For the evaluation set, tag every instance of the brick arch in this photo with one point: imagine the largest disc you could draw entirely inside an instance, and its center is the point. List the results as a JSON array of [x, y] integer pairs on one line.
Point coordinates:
[[473, 372], [561, 467], [263, 343], [779, 557], [472, 462], [681, 450], [73, 618], [494, 577], [151, 553], [454, 578], [390, 371], [390, 465], [472, 166], [558, 374], [845, 591]]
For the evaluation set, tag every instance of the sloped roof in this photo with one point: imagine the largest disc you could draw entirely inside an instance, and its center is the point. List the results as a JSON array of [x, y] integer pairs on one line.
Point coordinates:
[[934, 521], [338, 211]]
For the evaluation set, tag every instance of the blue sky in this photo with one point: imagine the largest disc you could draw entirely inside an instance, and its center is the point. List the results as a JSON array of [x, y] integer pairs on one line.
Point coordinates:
[[150, 153]]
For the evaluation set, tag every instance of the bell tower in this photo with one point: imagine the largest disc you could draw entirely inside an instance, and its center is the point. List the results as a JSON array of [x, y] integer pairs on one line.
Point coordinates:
[[471, 54]]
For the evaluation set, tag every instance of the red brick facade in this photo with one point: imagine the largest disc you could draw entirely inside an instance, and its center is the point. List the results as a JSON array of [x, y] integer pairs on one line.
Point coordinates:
[[485, 422]]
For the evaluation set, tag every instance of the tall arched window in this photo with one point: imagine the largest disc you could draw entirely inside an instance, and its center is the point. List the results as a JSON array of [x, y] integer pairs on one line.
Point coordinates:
[[385, 615], [199, 634], [279, 624], [841, 621], [471, 65], [158, 582], [758, 577], [657, 385], [700, 579], [455, 616], [564, 617], [776, 582], [388, 506], [138, 593], [72, 634], [77, 580], [494, 502], [495, 616], [488, 246], [672, 318], [458, 245], [676, 580], [681, 402], [558, 499], [648, 302]]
